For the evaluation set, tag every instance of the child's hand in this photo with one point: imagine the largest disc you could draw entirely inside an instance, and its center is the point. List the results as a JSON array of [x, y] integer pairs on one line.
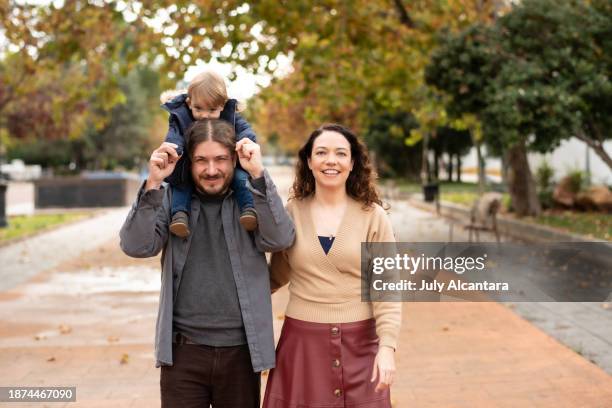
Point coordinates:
[[249, 154], [161, 164]]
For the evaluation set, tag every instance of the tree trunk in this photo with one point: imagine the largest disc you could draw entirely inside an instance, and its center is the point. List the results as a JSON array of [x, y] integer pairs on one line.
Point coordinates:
[[436, 165], [374, 162], [425, 175], [449, 168], [521, 185], [405, 18], [504, 169], [481, 169], [458, 168]]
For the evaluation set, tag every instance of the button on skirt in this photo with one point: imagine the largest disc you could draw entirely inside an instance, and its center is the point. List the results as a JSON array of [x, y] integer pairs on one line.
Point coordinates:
[[325, 365]]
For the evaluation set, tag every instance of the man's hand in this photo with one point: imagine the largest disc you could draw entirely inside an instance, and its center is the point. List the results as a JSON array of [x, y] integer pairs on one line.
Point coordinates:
[[161, 164], [249, 154], [384, 368]]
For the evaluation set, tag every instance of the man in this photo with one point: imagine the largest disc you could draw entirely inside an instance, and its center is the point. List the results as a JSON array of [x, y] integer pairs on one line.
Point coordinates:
[[214, 327]]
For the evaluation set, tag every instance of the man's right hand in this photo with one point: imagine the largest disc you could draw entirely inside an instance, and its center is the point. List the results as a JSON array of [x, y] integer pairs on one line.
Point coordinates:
[[161, 164]]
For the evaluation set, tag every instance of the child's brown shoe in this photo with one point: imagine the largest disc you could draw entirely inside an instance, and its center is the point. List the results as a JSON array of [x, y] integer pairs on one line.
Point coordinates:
[[180, 224], [248, 219]]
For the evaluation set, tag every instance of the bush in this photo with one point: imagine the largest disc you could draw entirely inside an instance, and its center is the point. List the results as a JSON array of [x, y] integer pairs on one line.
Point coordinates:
[[546, 199], [544, 180], [544, 176], [577, 180]]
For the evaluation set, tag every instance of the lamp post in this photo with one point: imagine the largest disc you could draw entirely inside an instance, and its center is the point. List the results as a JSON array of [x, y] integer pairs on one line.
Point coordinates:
[[3, 187]]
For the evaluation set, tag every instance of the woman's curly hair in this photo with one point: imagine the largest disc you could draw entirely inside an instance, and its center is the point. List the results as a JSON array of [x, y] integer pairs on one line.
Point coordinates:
[[360, 184]]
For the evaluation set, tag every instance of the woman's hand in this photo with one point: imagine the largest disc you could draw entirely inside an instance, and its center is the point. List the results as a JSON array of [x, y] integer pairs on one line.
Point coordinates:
[[384, 368]]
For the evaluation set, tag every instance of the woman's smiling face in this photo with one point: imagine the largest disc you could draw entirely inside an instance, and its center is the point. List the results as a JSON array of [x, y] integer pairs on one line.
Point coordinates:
[[330, 160]]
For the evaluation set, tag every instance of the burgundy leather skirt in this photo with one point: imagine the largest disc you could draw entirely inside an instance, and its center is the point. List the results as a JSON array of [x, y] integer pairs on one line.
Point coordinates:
[[325, 365]]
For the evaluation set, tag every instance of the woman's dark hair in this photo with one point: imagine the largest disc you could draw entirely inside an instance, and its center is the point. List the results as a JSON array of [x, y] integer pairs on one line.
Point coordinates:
[[360, 184]]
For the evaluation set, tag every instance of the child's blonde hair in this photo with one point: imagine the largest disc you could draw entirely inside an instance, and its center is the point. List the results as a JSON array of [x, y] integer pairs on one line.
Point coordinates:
[[209, 88]]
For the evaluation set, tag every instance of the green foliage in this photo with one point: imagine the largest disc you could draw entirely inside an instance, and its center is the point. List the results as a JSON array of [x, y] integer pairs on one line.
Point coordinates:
[[593, 225], [541, 70], [544, 180], [124, 141], [546, 198], [537, 76], [451, 141], [461, 67], [386, 138], [577, 180], [544, 176], [47, 153]]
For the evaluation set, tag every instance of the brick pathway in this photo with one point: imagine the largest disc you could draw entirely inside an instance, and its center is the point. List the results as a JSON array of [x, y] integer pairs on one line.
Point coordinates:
[[88, 323]]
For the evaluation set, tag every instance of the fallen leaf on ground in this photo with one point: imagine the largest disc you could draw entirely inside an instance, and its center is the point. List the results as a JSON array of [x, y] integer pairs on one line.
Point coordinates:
[[124, 359], [65, 329], [51, 359]]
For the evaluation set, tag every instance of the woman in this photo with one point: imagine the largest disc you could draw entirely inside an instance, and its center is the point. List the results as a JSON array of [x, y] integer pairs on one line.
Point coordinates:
[[334, 349]]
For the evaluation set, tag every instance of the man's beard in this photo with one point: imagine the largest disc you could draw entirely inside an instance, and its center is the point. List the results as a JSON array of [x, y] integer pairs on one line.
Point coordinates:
[[200, 185]]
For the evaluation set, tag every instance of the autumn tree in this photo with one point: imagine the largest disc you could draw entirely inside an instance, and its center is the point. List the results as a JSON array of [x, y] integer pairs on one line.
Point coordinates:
[[355, 61], [60, 65], [124, 141], [350, 58]]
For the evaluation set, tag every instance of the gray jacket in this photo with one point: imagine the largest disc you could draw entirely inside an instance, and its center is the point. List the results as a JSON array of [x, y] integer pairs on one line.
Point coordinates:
[[145, 232]]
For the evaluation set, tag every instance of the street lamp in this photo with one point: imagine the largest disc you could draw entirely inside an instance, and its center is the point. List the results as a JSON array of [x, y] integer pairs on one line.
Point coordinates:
[[3, 187]]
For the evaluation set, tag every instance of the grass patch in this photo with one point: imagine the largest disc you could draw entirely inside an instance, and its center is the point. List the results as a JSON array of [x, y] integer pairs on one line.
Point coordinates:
[[458, 193], [590, 224], [21, 226], [451, 187], [465, 198], [593, 225]]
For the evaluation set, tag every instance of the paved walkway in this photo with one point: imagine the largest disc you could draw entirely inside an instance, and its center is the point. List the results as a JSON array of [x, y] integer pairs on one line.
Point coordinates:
[[585, 327], [24, 259], [85, 317]]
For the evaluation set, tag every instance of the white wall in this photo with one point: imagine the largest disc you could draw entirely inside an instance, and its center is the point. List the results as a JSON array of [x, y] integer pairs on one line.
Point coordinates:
[[571, 155]]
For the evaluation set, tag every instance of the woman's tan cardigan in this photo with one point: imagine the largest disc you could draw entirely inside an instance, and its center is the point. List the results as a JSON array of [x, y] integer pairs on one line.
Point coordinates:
[[327, 288]]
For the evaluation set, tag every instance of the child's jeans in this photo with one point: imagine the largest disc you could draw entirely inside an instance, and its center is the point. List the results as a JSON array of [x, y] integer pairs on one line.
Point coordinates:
[[181, 194]]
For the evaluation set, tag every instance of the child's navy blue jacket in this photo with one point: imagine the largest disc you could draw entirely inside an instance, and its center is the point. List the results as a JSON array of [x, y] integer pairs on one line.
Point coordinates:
[[180, 120]]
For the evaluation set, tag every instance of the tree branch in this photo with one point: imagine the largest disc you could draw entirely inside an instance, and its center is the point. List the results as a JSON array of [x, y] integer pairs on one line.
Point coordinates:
[[10, 91], [589, 141], [405, 18], [597, 147]]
